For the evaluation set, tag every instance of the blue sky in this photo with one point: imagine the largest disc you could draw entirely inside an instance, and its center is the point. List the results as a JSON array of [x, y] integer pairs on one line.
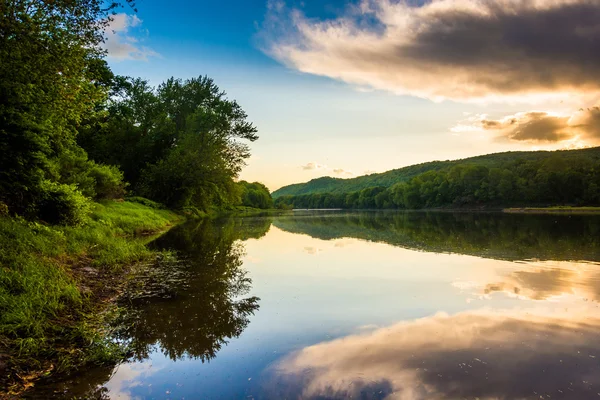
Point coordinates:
[[346, 88]]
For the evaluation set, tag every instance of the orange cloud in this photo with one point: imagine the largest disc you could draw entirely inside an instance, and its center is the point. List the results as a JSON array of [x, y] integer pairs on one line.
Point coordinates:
[[540, 126]]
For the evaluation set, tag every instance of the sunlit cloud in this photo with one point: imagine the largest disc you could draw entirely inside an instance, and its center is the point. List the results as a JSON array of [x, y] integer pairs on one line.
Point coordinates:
[[120, 42], [487, 355], [541, 282], [342, 172], [316, 166], [312, 250], [341, 243], [582, 126], [313, 166], [466, 50]]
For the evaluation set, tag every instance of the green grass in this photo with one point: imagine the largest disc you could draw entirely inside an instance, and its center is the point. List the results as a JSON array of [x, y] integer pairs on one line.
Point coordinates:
[[48, 320]]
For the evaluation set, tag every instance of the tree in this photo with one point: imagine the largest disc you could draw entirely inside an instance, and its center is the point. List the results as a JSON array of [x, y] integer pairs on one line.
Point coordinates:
[[52, 76], [255, 195]]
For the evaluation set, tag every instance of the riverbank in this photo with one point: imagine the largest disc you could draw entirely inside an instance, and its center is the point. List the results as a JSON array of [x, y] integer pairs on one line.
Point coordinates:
[[57, 283], [553, 210]]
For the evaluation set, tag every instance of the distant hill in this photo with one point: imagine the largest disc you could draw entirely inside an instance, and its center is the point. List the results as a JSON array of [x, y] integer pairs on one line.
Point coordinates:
[[386, 179]]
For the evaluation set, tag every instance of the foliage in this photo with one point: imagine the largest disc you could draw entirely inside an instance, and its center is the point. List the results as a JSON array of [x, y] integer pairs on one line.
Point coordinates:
[[178, 144], [338, 185], [52, 76], [62, 204], [508, 179], [44, 315], [390, 178], [108, 181], [255, 195], [93, 180]]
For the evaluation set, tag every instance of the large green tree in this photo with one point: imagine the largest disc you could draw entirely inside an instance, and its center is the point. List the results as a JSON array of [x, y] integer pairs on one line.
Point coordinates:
[[52, 77], [182, 143]]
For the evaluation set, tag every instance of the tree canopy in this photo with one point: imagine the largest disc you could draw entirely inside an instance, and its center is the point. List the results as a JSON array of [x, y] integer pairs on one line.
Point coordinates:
[[71, 131], [179, 144]]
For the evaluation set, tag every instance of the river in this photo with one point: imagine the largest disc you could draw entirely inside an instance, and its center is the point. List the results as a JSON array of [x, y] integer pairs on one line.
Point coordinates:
[[368, 305]]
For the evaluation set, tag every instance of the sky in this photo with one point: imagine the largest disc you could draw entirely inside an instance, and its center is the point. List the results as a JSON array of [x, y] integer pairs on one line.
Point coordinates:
[[351, 87]]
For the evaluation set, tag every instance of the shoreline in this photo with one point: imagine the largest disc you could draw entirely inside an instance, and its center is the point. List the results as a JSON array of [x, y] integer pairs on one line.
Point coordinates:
[[553, 210], [68, 279], [499, 209], [95, 262]]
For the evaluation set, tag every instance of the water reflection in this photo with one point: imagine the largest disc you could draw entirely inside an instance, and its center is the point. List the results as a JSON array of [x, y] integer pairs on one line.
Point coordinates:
[[203, 305], [486, 355], [492, 306], [491, 235], [186, 305]]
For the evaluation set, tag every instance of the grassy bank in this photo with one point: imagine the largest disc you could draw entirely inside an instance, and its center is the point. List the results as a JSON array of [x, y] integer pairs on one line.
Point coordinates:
[[55, 283], [553, 210]]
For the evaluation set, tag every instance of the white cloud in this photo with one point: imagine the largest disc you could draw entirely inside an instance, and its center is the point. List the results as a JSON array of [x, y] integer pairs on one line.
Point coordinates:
[[313, 166], [120, 42]]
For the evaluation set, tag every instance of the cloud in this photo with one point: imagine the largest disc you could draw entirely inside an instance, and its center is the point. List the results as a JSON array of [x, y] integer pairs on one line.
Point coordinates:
[[447, 49], [539, 126], [313, 166], [487, 355], [121, 44], [128, 376], [536, 285], [542, 281], [312, 250], [343, 172]]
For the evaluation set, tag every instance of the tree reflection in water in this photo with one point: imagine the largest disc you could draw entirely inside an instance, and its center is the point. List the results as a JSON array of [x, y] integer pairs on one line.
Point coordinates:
[[490, 235], [188, 304], [193, 303]]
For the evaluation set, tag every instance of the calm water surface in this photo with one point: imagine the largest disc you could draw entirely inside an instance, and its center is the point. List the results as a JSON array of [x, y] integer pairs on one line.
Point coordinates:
[[370, 305]]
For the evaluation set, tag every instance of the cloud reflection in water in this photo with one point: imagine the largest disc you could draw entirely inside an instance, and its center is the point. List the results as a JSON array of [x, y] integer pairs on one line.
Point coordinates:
[[486, 355]]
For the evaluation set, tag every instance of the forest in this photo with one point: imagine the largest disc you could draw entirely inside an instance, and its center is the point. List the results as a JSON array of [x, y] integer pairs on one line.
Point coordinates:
[[502, 180], [389, 178], [71, 131]]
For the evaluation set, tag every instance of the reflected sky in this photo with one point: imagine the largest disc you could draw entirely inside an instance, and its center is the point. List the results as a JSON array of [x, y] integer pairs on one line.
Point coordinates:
[[353, 315], [484, 354]]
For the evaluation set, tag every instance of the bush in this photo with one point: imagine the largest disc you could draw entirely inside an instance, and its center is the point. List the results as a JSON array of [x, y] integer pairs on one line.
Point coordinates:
[[109, 181], [96, 181], [62, 204]]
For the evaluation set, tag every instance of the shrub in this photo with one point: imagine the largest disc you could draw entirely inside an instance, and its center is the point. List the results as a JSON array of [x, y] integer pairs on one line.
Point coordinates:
[[62, 204], [109, 181]]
